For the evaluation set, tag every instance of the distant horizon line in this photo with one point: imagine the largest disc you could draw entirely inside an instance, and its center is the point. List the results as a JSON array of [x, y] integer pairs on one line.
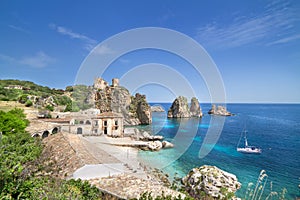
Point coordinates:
[[236, 102]]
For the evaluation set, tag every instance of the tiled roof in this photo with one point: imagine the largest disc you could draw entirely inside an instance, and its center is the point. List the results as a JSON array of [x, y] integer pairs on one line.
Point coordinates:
[[108, 115]]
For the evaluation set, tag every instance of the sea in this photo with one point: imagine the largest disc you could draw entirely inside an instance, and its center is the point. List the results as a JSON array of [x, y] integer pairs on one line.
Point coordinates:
[[275, 128]]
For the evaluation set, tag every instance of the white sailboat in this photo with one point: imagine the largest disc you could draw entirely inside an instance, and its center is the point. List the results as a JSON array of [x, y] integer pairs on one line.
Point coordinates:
[[247, 148]]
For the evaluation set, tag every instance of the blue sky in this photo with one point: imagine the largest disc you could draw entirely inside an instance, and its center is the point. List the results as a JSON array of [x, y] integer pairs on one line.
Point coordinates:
[[255, 44]]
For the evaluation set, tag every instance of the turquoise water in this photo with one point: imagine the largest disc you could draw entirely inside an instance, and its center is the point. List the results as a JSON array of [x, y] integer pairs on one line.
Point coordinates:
[[273, 127]]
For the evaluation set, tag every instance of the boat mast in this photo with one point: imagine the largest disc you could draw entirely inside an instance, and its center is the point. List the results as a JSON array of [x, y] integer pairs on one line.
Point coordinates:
[[246, 141]]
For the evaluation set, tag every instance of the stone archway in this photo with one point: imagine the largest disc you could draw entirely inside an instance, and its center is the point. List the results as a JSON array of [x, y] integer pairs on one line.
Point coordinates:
[[36, 135], [55, 130], [45, 134], [87, 122], [79, 130]]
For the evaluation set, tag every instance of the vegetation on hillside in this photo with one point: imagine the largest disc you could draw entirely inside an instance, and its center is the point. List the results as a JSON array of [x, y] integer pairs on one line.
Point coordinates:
[[74, 98], [17, 181]]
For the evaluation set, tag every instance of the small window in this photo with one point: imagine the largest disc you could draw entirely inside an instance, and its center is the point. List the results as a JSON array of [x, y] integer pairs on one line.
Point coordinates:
[[96, 123], [105, 123], [96, 131], [116, 122]]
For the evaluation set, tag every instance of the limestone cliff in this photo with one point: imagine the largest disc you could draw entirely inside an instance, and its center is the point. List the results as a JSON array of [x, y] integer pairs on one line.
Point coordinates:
[[195, 109], [115, 98], [180, 108], [213, 181], [219, 110], [142, 109]]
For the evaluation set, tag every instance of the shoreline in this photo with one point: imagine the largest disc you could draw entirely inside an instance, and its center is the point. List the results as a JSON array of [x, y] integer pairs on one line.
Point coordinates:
[[120, 172]]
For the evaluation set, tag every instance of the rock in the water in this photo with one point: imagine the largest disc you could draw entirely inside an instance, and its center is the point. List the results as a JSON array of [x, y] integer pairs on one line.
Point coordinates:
[[211, 180], [147, 137], [195, 109], [141, 108], [166, 145], [179, 108], [157, 108], [219, 110], [155, 145]]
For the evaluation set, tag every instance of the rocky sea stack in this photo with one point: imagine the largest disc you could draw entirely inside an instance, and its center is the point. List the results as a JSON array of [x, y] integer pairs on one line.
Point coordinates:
[[219, 110], [195, 109], [157, 108], [212, 181], [180, 108]]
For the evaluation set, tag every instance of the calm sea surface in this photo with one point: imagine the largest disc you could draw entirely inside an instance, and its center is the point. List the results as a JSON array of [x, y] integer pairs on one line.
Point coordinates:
[[273, 127]]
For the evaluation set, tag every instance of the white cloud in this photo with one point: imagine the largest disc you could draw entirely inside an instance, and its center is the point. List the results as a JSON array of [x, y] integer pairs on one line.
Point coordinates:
[[286, 39], [103, 50], [17, 28], [39, 60], [88, 42], [276, 21]]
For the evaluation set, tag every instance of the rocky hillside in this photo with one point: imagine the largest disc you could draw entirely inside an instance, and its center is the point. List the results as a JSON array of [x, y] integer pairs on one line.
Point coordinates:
[[101, 95], [135, 109]]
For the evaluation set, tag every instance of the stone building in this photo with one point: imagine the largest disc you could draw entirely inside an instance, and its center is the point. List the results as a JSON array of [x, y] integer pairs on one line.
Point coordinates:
[[115, 82], [100, 83], [107, 123]]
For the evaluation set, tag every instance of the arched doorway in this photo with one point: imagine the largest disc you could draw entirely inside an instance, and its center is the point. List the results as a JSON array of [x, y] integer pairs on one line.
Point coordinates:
[[36, 135], [55, 130], [79, 130], [45, 134]]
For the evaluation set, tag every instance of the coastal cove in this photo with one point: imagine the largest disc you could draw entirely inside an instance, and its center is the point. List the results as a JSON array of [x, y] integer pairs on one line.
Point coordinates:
[[273, 127]]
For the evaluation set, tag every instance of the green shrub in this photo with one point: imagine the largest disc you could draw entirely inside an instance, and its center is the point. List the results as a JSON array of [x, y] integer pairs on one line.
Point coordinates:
[[17, 181], [28, 103], [49, 107]]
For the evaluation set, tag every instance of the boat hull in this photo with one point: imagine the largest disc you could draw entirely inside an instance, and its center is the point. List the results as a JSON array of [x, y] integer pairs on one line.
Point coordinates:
[[249, 150]]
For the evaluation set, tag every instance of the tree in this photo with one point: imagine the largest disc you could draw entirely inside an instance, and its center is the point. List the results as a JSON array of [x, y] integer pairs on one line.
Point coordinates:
[[13, 121]]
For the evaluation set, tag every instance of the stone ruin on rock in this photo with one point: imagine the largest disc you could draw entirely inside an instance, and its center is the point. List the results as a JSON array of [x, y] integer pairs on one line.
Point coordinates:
[[115, 98]]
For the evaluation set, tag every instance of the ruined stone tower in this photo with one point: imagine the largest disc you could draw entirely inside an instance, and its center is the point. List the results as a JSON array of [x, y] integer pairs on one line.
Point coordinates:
[[100, 83], [115, 82]]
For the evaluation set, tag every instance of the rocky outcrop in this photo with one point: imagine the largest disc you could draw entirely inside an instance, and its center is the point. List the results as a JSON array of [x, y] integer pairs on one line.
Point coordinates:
[[115, 98], [143, 109], [166, 145], [195, 109], [211, 180], [219, 110], [155, 145], [157, 108], [179, 108], [147, 137]]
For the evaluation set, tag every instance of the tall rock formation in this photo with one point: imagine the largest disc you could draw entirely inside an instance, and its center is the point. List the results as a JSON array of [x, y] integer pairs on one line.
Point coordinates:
[[179, 108], [115, 98], [142, 109], [195, 109]]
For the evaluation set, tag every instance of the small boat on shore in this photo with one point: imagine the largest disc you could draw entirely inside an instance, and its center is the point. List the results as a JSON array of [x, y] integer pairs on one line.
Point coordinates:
[[247, 148]]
